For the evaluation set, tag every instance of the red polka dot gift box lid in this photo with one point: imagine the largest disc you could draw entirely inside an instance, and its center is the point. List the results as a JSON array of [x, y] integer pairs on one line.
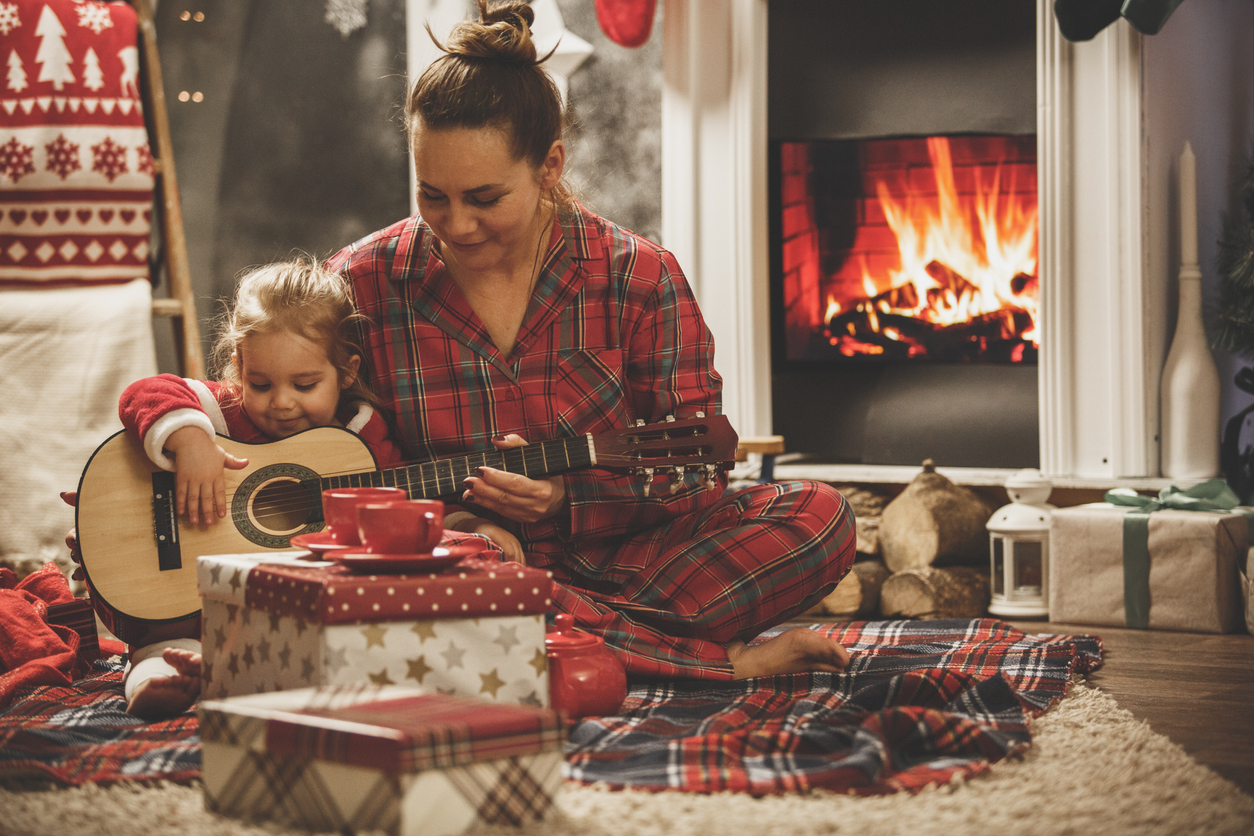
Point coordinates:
[[329, 593]]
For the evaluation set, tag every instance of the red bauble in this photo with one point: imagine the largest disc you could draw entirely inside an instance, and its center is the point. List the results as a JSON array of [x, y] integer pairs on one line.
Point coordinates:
[[626, 22]]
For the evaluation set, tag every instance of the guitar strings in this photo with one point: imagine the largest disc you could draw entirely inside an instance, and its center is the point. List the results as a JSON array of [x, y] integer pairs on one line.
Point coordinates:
[[291, 498]]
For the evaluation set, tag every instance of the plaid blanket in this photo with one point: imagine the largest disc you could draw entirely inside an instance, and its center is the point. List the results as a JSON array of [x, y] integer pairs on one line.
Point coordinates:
[[81, 734], [921, 703]]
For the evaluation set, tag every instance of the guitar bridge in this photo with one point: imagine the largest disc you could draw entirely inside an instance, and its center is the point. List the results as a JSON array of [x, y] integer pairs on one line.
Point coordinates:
[[165, 522]]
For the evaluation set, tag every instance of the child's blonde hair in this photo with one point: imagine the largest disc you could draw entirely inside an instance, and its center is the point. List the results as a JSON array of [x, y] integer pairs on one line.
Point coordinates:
[[302, 297]]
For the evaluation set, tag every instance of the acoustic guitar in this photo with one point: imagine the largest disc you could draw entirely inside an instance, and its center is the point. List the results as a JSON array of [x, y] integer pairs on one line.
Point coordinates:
[[139, 557]]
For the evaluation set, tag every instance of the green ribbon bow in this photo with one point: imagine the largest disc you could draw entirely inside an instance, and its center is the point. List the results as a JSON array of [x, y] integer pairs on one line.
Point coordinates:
[[1211, 495]]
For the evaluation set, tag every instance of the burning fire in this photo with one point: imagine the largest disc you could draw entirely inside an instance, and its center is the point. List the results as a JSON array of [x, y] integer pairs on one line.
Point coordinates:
[[968, 270]]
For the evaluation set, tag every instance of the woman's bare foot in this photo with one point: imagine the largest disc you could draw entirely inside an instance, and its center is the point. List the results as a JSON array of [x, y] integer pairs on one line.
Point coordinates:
[[167, 696], [792, 651]]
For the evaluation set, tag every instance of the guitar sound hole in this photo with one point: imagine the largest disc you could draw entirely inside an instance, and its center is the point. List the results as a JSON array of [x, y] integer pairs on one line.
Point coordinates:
[[281, 507]]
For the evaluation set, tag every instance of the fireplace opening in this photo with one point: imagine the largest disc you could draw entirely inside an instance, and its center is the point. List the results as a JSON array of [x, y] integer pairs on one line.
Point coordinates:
[[903, 222], [910, 249]]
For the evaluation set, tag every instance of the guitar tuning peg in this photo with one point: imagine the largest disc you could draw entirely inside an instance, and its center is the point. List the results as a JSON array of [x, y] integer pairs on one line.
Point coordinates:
[[700, 415], [670, 419], [639, 422], [647, 473], [709, 475], [677, 477]]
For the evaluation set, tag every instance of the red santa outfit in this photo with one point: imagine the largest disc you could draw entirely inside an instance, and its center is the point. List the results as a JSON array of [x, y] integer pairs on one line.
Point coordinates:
[[155, 407]]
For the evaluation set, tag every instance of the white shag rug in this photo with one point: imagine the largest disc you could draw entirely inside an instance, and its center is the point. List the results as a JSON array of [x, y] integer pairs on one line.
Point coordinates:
[[1092, 769]]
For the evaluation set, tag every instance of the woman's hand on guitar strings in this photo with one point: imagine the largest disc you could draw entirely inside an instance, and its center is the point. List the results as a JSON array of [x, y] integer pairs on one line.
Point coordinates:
[[513, 495], [199, 474]]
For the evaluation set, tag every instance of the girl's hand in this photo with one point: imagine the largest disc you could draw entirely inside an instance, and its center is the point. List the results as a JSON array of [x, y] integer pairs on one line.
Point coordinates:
[[199, 468], [513, 495]]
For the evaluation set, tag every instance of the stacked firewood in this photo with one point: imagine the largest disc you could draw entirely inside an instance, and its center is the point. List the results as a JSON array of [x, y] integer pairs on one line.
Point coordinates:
[[924, 554]]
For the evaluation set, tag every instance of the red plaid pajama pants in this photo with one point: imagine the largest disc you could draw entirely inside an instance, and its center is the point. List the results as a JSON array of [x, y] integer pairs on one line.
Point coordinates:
[[677, 593]]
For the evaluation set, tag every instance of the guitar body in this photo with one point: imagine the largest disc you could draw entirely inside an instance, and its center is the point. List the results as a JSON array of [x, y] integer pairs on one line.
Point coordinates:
[[122, 516]]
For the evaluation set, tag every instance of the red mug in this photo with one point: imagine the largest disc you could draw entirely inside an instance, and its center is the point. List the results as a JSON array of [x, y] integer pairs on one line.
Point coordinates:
[[339, 509], [401, 527]]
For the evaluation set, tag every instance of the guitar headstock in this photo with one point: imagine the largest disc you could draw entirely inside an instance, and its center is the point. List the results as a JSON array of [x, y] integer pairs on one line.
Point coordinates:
[[706, 444]]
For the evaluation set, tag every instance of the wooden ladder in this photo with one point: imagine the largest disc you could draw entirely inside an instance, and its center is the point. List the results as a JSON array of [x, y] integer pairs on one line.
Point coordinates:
[[181, 304]]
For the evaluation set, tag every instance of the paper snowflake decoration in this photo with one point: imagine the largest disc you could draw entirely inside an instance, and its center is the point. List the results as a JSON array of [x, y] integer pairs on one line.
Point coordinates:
[[109, 159], [347, 16], [9, 19], [94, 16], [62, 157], [16, 160]]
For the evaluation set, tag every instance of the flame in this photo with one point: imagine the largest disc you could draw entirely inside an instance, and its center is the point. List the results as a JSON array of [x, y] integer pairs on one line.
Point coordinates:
[[962, 257]]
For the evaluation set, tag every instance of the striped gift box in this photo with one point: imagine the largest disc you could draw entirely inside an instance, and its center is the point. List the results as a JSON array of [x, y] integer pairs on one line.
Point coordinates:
[[391, 759]]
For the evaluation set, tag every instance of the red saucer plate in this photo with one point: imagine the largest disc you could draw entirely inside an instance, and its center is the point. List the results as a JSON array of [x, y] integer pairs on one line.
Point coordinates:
[[319, 542], [440, 557]]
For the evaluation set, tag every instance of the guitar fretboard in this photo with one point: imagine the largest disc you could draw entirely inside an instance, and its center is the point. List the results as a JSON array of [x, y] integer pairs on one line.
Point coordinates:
[[443, 478]]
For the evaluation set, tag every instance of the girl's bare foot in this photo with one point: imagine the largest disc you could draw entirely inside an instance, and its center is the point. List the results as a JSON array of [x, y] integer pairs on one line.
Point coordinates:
[[792, 651], [167, 696]]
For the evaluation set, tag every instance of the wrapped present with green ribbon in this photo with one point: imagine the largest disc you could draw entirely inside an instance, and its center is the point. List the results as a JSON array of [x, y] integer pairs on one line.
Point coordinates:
[[1169, 562]]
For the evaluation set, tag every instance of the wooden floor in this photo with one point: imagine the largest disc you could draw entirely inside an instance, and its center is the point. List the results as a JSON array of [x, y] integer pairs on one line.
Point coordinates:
[[1195, 689]]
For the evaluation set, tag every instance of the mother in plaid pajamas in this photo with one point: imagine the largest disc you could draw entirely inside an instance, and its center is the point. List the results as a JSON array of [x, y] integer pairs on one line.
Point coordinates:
[[506, 310]]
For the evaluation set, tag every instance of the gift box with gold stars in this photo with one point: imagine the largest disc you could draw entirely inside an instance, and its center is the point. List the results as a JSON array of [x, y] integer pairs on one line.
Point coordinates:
[[391, 759], [280, 621]]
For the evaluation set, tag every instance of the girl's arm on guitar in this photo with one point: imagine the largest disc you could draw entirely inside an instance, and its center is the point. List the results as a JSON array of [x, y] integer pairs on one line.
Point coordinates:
[[199, 473]]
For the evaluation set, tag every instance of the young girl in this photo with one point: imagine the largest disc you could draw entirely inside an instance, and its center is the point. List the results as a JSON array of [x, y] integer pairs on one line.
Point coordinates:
[[288, 358]]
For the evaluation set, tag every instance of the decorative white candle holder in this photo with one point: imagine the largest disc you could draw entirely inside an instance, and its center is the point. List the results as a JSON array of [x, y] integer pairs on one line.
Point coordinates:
[[1019, 548]]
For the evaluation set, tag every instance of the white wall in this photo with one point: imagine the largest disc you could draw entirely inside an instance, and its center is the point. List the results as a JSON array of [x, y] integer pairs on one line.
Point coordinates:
[[1212, 107]]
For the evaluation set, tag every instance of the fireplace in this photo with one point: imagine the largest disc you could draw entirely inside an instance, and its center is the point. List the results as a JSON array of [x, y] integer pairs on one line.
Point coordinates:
[[904, 281], [1110, 116]]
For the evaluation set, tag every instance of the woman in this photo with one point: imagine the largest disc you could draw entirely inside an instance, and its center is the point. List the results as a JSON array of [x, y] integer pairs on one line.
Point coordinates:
[[505, 310]]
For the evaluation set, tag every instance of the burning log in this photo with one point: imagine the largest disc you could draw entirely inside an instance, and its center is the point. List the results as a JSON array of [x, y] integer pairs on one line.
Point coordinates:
[[949, 279], [966, 340], [1023, 283], [905, 297]]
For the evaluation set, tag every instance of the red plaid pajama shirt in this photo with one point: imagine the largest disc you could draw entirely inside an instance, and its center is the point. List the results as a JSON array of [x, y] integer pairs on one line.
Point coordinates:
[[612, 334]]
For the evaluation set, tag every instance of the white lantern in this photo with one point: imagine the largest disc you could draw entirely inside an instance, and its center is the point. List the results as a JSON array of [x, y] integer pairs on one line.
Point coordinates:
[[1019, 548]]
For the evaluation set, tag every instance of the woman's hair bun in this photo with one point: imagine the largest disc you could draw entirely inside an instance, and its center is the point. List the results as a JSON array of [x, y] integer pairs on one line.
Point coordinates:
[[503, 34]]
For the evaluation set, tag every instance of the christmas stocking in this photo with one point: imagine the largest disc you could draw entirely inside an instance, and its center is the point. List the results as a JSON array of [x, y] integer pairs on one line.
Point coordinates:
[[1081, 20], [626, 22], [1148, 16]]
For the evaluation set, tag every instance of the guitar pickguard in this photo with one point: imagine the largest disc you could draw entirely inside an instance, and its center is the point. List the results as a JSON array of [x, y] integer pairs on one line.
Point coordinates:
[[276, 503]]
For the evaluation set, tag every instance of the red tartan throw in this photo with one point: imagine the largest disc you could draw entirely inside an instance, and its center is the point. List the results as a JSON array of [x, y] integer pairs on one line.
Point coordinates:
[[76, 171]]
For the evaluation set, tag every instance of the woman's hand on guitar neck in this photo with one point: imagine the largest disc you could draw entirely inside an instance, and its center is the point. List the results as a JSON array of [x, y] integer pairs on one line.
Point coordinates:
[[199, 468], [513, 495]]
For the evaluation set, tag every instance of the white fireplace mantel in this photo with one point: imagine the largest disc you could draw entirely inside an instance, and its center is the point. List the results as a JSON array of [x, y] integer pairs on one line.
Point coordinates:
[[1104, 270]]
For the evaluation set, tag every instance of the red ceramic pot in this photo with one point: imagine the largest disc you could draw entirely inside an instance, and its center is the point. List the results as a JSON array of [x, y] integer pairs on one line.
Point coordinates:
[[585, 678]]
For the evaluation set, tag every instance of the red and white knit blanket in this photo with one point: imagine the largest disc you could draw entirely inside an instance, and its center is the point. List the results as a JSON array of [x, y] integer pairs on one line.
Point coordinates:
[[76, 170]]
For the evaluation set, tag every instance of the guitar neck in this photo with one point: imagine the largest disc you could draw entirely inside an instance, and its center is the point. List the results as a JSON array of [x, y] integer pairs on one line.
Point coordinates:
[[443, 478]]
